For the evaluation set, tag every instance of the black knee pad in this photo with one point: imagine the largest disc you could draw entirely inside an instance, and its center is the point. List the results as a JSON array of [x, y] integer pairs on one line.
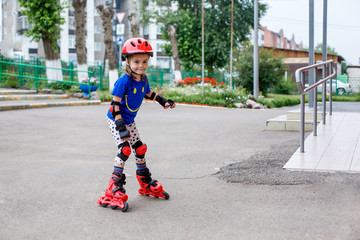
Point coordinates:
[[125, 151], [140, 149]]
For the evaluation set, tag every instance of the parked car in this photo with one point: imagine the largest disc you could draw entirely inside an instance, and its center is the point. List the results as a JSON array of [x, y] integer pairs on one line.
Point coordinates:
[[337, 87]]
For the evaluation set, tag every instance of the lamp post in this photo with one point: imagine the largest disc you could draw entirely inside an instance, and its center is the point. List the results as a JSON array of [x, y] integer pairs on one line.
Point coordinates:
[[231, 40], [256, 51], [202, 47]]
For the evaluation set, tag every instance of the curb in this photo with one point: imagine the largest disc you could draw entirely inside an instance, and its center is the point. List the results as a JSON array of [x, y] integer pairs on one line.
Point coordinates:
[[6, 91], [44, 105], [32, 97]]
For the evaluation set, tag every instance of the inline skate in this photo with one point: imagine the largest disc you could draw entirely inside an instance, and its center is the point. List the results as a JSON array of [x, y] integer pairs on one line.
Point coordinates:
[[115, 193], [149, 186]]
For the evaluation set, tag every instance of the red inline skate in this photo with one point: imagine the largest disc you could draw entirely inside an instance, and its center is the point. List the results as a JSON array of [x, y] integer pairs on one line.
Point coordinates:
[[115, 193], [148, 186]]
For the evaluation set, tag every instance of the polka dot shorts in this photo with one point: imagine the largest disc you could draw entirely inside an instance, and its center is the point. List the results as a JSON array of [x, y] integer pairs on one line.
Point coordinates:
[[134, 138]]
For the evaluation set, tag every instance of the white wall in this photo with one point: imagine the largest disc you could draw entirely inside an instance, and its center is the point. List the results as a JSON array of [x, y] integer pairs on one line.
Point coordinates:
[[353, 73]]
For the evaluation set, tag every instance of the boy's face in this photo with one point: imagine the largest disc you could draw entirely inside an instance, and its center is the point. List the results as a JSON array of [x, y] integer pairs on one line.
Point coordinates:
[[139, 63]]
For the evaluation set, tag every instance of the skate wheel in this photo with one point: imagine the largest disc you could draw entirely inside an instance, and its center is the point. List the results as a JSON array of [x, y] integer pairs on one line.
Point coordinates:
[[166, 195], [126, 206], [113, 207]]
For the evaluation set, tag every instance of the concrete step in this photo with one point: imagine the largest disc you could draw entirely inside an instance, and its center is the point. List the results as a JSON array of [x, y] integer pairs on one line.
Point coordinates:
[[30, 104], [291, 121], [9, 97], [9, 91], [281, 123], [309, 114]]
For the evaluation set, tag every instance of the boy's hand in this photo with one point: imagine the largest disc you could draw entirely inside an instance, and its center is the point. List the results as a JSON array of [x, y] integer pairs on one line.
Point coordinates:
[[170, 103], [165, 102], [120, 126]]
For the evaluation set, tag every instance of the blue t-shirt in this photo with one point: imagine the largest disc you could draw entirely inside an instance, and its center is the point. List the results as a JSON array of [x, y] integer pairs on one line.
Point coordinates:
[[132, 94]]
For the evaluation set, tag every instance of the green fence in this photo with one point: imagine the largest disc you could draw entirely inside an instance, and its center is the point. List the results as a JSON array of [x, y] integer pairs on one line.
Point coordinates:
[[32, 73], [15, 73]]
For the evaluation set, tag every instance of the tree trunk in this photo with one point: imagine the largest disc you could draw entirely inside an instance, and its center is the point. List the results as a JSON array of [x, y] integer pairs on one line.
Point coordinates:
[[80, 21], [52, 61], [175, 51], [106, 14], [134, 25]]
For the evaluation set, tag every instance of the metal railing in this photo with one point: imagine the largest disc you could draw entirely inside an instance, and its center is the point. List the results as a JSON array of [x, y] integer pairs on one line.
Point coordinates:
[[37, 73], [328, 72]]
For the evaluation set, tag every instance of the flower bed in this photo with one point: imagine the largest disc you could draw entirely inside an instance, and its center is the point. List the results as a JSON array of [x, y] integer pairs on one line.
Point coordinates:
[[191, 81]]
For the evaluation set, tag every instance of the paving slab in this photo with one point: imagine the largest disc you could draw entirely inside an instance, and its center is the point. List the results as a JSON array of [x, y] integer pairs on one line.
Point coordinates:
[[335, 148]]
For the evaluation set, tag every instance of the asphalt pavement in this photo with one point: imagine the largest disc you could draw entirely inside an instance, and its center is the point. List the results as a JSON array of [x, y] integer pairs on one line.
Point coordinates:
[[56, 162]]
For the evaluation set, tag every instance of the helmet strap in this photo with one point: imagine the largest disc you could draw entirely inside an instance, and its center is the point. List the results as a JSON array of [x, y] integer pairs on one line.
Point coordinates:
[[131, 73]]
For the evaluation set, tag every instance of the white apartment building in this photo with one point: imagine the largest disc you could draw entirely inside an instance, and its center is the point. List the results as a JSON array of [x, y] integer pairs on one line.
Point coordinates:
[[14, 44]]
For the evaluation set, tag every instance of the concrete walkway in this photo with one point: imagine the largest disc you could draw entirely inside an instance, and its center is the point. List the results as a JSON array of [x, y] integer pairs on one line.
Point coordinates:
[[335, 148]]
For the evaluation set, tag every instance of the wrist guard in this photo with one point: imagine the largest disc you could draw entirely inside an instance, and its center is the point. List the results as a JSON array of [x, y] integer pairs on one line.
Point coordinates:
[[120, 126], [163, 100], [152, 97]]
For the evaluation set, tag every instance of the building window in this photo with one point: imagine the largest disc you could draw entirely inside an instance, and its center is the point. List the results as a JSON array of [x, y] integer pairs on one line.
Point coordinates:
[[278, 42], [72, 41], [24, 23], [146, 30], [97, 46], [33, 51], [159, 47], [71, 22], [163, 62], [158, 28], [97, 29]]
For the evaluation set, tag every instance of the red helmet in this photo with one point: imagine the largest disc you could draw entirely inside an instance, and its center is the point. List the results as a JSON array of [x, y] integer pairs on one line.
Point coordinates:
[[136, 46]]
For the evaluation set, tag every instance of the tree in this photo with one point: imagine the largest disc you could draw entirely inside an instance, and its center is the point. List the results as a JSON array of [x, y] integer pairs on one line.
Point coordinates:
[[343, 67], [171, 28], [106, 13], [134, 25], [217, 30], [271, 69], [80, 21], [169, 32], [318, 49], [45, 20]]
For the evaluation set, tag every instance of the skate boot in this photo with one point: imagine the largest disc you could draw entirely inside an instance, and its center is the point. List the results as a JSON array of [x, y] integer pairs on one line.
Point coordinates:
[[115, 193], [148, 186]]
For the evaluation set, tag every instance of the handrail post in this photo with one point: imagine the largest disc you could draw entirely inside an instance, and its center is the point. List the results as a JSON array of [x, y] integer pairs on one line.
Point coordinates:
[[36, 73], [71, 66], [330, 95], [315, 111], [324, 95], [100, 77], [20, 72], [161, 78], [1, 67], [302, 116], [89, 84]]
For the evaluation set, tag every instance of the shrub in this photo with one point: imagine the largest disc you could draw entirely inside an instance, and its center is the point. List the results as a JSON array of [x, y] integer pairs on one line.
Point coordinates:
[[285, 86]]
